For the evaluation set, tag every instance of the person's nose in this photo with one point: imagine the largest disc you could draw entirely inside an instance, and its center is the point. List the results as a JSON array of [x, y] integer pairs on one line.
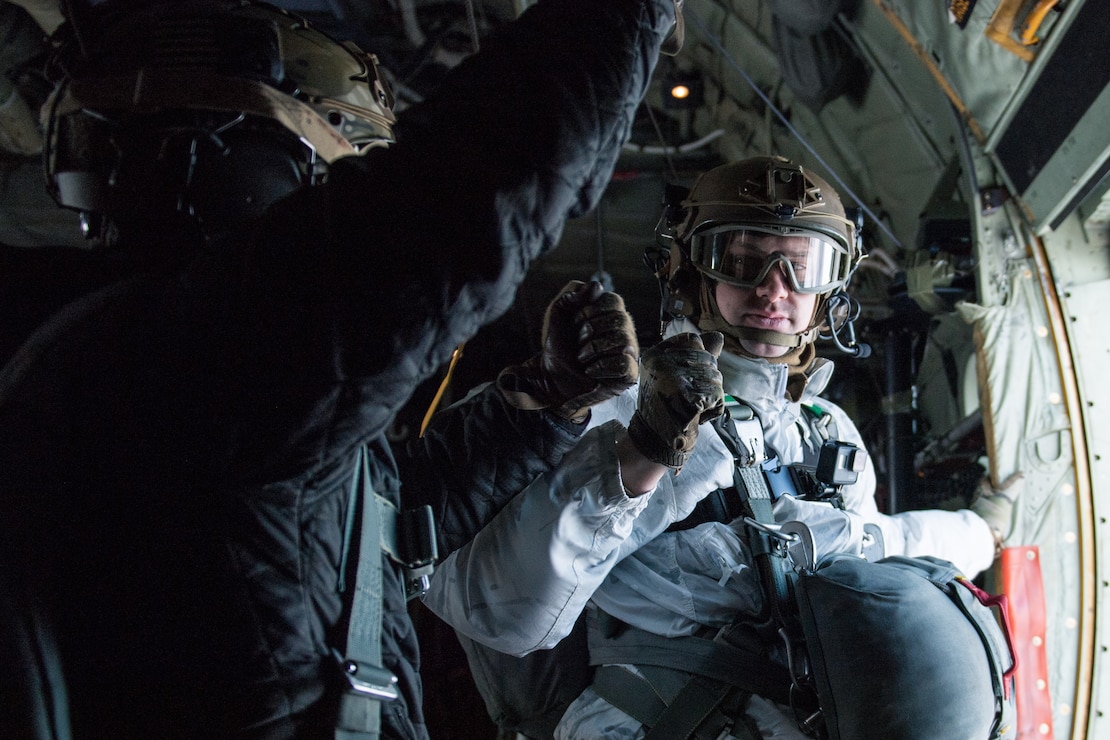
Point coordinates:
[[776, 286]]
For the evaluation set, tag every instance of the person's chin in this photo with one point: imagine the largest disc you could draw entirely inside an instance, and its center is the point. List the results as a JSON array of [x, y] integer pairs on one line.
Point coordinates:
[[760, 349]]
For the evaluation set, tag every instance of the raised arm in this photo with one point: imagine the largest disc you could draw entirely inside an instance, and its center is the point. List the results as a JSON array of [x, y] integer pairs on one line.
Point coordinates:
[[521, 583], [368, 282], [482, 451]]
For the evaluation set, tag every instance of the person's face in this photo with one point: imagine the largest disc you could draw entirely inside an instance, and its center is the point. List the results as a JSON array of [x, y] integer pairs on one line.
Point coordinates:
[[773, 304]]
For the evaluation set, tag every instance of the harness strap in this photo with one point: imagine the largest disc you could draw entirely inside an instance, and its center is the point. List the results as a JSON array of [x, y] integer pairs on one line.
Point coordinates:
[[673, 704], [713, 658], [368, 683], [820, 423], [719, 675], [635, 696], [755, 498], [692, 709], [408, 538]]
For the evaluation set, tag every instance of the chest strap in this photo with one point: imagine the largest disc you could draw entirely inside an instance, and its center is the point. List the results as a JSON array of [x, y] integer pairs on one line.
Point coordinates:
[[742, 433]]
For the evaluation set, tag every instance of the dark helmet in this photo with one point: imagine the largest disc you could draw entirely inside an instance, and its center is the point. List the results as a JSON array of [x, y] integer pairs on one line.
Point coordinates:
[[204, 111], [758, 196]]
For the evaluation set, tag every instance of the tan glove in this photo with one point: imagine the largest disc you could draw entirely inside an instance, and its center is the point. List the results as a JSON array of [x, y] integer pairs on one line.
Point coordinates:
[[677, 37], [996, 507], [680, 388], [588, 354]]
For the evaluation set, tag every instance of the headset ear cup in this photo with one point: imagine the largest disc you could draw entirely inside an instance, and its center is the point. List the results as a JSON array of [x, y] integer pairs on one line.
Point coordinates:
[[673, 211], [236, 185], [681, 282], [688, 284]]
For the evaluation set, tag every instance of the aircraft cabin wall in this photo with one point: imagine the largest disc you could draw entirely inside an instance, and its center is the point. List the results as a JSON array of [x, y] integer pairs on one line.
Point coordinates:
[[974, 138], [997, 244]]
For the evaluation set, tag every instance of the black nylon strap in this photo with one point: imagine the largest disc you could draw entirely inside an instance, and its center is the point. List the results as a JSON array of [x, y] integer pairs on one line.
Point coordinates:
[[629, 693], [698, 699], [751, 671], [673, 704]]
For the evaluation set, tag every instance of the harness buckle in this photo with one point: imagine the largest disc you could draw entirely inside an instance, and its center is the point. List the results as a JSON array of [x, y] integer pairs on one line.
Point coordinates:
[[771, 539], [368, 680], [803, 549], [418, 544]]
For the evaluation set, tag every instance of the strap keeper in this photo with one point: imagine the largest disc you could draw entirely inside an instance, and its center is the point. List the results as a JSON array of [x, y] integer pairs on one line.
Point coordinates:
[[419, 549], [409, 539]]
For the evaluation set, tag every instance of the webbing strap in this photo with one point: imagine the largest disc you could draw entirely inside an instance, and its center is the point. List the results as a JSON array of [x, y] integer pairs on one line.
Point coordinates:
[[753, 486], [368, 683], [697, 700], [714, 659], [629, 693], [674, 704], [770, 559], [755, 497]]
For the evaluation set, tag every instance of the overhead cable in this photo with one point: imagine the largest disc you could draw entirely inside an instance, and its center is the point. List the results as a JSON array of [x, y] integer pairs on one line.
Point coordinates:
[[691, 15]]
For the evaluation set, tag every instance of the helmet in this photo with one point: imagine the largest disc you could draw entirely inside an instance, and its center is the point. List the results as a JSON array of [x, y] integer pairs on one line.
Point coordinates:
[[204, 111], [741, 203]]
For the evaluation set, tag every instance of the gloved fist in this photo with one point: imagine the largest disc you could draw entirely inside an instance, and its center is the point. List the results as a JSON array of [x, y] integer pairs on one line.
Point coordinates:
[[588, 354], [680, 388]]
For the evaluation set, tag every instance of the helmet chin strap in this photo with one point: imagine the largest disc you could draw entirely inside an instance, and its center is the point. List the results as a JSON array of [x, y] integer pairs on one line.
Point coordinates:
[[711, 320]]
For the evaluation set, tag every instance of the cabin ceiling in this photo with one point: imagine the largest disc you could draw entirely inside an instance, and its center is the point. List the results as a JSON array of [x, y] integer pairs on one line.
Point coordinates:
[[887, 99], [879, 98], [893, 101]]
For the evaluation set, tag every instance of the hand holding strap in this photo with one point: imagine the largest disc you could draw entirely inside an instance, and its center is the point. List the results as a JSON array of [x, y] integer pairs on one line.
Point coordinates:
[[588, 354], [680, 388]]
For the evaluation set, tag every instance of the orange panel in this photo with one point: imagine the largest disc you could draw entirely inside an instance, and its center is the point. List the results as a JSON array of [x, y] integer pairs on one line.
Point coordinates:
[[1022, 584]]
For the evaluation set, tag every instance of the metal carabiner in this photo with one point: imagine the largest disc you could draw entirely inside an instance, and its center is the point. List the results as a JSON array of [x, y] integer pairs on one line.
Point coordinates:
[[771, 530]]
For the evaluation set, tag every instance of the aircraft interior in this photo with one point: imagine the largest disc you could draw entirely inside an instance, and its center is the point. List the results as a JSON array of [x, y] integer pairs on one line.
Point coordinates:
[[970, 140]]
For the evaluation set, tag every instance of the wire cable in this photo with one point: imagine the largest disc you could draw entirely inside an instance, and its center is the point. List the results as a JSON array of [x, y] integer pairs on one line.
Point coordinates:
[[714, 41]]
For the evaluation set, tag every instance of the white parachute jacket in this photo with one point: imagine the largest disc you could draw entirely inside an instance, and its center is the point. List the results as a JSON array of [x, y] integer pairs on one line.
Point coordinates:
[[574, 535]]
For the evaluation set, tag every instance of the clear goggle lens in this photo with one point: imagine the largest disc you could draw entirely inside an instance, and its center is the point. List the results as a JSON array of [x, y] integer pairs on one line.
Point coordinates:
[[744, 256]]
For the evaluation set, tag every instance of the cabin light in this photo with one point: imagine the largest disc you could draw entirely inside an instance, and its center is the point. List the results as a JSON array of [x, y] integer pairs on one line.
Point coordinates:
[[683, 91]]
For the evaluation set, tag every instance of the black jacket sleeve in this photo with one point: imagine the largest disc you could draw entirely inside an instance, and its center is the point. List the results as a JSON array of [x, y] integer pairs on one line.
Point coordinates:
[[359, 289], [475, 456]]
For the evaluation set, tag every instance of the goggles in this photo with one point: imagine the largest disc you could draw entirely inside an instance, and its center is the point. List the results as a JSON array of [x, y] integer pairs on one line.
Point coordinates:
[[744, 255]]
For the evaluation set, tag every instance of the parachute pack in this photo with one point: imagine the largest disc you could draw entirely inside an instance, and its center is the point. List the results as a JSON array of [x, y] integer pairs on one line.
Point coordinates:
[[876, 648]]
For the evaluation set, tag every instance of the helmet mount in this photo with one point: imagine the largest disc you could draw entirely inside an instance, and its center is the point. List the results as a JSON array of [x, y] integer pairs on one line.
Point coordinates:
[[207, 112]]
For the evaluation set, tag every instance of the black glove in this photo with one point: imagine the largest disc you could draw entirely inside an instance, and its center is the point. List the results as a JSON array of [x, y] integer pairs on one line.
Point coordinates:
[[680, 388], [588, 354]]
